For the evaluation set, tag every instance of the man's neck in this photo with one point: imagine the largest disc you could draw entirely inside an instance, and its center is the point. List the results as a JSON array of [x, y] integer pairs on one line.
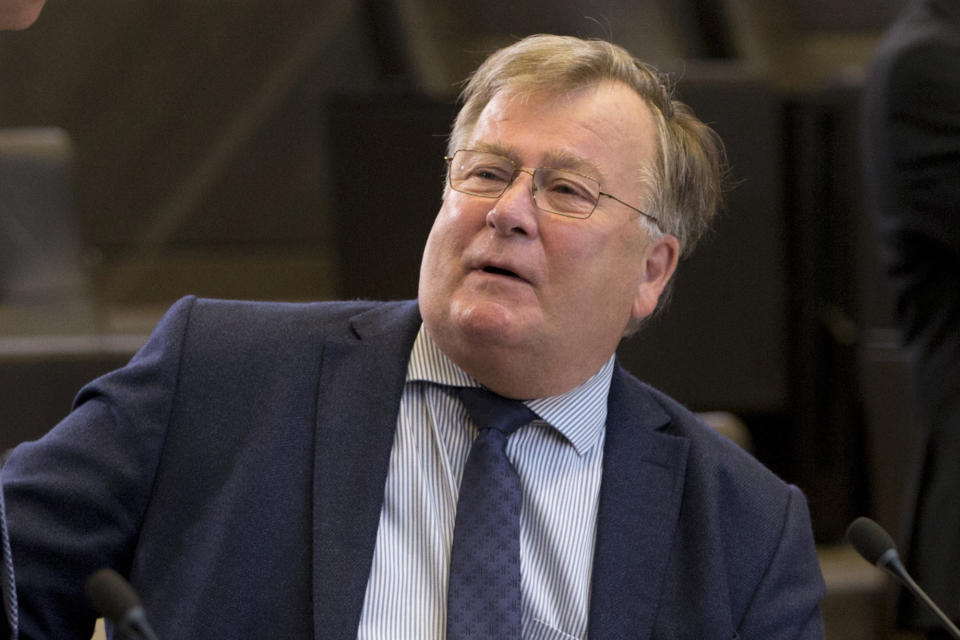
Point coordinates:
[[516, 374]]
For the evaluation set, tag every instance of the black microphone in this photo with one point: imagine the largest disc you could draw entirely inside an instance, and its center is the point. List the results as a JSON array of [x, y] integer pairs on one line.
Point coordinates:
[[115, 599], [876, 546]]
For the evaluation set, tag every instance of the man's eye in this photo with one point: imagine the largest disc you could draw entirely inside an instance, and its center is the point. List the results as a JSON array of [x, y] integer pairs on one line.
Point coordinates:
[[488, 173], [569, 189]]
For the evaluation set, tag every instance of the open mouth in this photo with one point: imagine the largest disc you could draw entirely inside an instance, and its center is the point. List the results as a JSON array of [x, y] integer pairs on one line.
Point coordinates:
[[501, 272]]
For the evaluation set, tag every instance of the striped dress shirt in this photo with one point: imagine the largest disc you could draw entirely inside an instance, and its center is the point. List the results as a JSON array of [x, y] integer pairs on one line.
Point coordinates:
[[559, 460]]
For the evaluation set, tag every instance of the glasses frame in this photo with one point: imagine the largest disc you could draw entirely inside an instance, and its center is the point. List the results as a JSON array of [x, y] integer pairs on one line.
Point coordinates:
[[530, 172]]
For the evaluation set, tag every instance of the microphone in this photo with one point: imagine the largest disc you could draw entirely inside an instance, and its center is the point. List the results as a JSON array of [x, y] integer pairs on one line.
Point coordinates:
[[115, 599], [877, 547]]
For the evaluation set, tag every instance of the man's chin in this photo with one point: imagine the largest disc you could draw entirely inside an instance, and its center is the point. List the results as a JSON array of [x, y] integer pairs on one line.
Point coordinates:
[[493, 322]]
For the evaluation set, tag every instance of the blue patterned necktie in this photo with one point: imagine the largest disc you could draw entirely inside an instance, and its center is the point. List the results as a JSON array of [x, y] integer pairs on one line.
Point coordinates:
[[483, 598]]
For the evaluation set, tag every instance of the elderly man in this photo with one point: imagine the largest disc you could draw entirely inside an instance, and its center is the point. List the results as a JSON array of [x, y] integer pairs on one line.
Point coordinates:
[[347, 470]]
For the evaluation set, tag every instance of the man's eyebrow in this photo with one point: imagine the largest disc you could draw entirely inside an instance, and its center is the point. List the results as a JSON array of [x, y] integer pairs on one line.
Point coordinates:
[[558, 159], [498, 148], [565, 160]]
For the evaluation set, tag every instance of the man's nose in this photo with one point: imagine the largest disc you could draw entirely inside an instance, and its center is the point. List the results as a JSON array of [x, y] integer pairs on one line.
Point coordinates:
[[515, 211]]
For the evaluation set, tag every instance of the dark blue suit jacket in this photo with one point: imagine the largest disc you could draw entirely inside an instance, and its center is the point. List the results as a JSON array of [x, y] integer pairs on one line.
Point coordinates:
[[235, 470]]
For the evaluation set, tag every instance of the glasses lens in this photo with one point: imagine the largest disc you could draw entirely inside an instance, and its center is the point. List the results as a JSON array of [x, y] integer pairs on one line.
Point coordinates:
[[488, 175], [565, 192], [481, 174]]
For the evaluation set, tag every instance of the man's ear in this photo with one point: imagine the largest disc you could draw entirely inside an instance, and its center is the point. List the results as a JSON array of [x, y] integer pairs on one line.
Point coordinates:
[[659, 263]]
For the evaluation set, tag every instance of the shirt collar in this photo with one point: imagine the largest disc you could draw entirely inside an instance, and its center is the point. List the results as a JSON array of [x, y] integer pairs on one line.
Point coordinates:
[[578, 414]]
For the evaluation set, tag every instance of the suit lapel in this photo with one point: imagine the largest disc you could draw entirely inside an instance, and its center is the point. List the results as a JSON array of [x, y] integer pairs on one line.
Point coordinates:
[[640, 495], [358, 400]]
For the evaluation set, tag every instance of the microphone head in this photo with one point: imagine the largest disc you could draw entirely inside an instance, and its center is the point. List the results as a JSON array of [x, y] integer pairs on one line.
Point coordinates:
[[111, 595], [869, 539]]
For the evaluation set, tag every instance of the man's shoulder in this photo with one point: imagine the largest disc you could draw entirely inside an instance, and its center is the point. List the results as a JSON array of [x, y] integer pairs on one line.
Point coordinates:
[[714, 459], [285, 319], [252, 310], [730, 494], [225, 330]]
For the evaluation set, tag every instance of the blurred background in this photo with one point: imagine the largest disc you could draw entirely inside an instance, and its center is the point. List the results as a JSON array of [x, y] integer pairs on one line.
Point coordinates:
[[292, 150]]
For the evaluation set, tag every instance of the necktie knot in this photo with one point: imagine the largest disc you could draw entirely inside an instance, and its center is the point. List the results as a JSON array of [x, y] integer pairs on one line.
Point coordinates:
[[492, 411]]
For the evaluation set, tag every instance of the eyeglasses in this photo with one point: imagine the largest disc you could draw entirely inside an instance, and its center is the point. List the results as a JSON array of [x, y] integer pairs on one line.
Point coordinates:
[[560, 191]]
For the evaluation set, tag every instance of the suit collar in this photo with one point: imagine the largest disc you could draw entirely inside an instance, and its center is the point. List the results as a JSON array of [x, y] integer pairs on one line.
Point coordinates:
[[386, 319], [640, 497]]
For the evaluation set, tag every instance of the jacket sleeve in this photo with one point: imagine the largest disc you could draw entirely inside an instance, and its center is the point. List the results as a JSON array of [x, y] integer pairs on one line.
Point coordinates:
[[76, 497], [785, 605]]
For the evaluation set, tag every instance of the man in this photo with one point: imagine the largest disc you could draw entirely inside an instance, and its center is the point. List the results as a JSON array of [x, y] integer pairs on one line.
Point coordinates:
[[912, 157], [19, 14], [291, 471]]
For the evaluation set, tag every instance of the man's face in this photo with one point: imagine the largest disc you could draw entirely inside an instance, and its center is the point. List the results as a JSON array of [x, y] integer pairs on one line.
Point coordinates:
[[19, 14], [503, 274]]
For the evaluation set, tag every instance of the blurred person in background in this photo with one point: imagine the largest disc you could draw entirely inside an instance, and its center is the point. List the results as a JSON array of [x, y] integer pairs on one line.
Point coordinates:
[[19, 14], [912, 159]]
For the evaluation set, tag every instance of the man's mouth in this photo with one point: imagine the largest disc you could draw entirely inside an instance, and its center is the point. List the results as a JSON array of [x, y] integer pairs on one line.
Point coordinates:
[[500, 272]]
